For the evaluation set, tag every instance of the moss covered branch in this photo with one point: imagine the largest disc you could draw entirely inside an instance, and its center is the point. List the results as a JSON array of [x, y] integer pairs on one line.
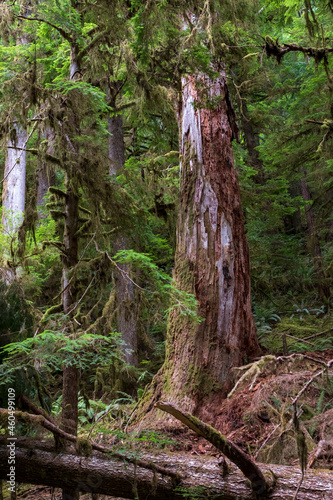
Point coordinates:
[[41, 420], [259, 483]]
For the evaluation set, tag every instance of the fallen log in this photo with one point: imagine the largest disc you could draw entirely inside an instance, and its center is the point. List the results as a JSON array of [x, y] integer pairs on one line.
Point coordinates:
[[82, 445], [37, 462]]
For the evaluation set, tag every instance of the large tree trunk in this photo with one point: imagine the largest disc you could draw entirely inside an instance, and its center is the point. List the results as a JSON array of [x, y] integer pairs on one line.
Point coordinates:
[[99, 474], [212, 259], [124, 289]]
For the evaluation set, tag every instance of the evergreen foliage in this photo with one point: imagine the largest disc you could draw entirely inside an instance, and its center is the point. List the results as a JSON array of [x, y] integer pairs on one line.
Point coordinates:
[[132, 55]]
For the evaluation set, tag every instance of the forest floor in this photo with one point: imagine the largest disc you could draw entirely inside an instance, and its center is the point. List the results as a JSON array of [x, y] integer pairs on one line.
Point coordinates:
[[258, 417]]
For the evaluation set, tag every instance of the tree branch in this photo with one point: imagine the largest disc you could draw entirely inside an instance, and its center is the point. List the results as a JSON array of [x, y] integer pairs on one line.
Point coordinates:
[[273, 48], [250, 470], [62, 32], [90, 45], [50, 426], [36, 152]]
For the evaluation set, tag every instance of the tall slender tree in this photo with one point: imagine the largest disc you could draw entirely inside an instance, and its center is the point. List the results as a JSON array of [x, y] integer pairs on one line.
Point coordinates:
[[126, 321], [13, 196]]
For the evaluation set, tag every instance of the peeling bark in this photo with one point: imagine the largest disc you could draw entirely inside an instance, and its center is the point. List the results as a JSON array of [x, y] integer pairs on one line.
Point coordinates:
[[212, 258], [13, 197]]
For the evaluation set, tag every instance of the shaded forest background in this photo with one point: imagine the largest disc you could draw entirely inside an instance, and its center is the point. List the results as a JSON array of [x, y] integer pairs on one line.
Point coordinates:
[[82, 78]]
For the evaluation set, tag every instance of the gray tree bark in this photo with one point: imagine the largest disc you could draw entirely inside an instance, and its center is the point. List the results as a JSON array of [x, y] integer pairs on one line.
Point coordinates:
[[13, 196], [124, 293]]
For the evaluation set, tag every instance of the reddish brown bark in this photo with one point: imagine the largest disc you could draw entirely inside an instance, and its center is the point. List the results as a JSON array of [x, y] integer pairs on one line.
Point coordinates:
[[212, 258]]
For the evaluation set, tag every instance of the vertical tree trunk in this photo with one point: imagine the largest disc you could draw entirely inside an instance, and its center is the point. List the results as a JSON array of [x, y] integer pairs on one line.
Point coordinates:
[[69, 416], [125, 294], [212, 258], [252, 142], [46, 174], [70, 241], [313, 243], [13, 197], [70, 394]]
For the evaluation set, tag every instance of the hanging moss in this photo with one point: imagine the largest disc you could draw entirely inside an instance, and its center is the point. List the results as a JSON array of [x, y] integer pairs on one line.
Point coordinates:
[[59, 193]]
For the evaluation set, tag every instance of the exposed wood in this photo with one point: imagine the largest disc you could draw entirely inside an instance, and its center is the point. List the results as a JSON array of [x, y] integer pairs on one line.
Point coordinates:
[[212, 257], [40, 464]]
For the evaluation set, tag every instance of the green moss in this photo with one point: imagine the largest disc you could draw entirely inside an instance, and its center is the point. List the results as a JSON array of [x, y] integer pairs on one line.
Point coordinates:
[[184, 273], [59, 193], [199, 381], [51, 310], [168, 370], [83, 447]]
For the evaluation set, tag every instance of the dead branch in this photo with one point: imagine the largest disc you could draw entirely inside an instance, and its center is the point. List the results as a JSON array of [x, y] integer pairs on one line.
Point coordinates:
[[249, 468], [323, 448]]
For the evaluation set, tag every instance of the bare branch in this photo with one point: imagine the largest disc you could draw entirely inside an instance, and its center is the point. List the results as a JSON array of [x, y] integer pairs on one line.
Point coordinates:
[[122, 272], [62, 32], [328, 365]]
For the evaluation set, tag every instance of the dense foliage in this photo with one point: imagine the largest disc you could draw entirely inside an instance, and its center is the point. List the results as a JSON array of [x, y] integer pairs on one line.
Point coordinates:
[[131, 56]]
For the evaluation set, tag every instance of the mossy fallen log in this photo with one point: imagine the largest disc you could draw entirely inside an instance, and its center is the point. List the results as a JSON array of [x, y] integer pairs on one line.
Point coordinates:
[[37, 462]]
